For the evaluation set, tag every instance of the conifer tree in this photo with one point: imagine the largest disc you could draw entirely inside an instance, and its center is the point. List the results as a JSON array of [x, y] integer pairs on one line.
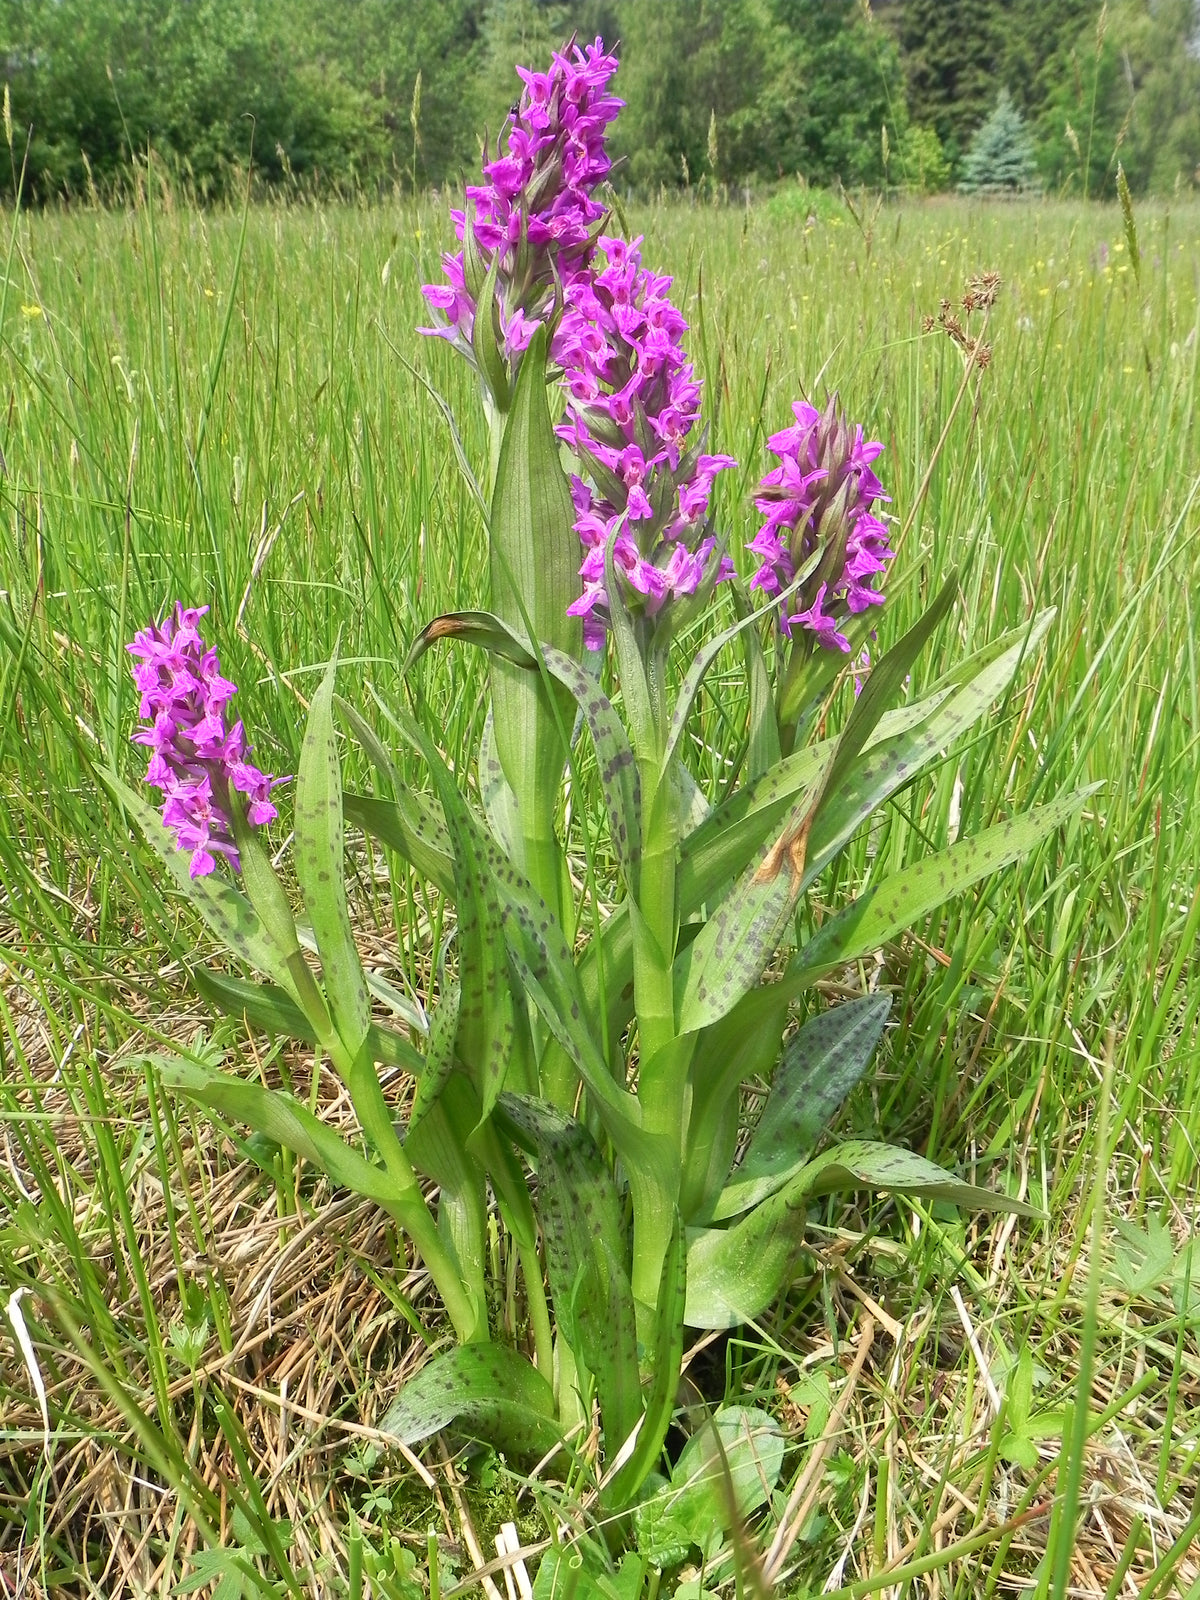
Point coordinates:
[[1000, 159]]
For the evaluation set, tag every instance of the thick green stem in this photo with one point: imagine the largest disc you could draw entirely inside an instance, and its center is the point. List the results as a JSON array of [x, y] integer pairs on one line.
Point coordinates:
[[663, 1056], [465, 1308]]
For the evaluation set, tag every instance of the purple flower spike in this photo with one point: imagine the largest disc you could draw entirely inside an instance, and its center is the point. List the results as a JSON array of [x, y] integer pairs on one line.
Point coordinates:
[[818, 503], [535, 217], [633, 401], [195, 759]]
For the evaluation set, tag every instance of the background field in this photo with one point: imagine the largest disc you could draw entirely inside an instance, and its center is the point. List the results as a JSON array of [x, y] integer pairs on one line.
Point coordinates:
[[222, 410]]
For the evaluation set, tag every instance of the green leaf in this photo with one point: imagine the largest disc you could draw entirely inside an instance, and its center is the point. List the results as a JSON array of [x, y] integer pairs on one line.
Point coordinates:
[[534, 562], [410, 823], [690, 686], [894, 761], [617, 771], [888, 908], [731, 951], [735, 1273], [730, 954], [272, 1009], [728, 1054], [727, 1470], [228, 914], [863, 1164], [281, 1117], [485, 341], [763, 748], [820, 1066], [408, 826], [438, 1147], [486, 1391], [883, 686], [632, 669], [664, 1386], [320, 869], [499, 802], [439, 1055], [486, 1023], [580, 1215], [503, 640]]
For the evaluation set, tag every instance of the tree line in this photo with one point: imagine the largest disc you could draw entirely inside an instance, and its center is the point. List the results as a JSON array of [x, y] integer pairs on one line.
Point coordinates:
[[371, 95]]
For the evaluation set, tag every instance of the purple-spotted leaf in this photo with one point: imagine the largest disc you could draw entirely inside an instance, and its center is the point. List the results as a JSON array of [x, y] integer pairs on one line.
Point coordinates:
[[580, 1214], [485, 1391], [320, 869], [863, 1164], [886, 909], [820, 1066], [729, 955]]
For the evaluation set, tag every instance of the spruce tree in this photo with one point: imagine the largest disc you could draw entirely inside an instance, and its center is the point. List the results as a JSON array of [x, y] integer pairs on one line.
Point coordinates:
[[1001, 158]]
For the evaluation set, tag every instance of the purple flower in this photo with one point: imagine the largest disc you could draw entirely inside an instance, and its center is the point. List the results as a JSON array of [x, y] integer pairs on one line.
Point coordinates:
[[818, 507], [633, 401], [535, 217], [195, 759]]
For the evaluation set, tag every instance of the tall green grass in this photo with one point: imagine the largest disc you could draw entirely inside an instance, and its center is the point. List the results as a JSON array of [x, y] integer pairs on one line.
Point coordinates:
[[221, 409]]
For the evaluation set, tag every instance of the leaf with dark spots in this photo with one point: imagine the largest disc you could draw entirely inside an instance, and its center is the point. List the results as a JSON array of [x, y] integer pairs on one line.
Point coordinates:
[[729, 955], [580, 1216], [861, 1164], [408, 826], [887, 909], [485, 1391], [820, 1066], [439, 1057]]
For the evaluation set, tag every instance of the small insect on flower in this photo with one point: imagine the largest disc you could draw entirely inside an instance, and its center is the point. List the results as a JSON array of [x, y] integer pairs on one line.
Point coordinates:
[[195, 759]]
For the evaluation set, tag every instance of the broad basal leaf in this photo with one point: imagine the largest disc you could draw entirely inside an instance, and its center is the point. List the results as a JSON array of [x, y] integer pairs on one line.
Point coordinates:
[[485, 1391]]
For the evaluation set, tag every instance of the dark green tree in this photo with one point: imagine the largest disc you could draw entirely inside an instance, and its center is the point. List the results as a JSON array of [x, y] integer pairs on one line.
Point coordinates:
[[1001, 159], [951, 51]]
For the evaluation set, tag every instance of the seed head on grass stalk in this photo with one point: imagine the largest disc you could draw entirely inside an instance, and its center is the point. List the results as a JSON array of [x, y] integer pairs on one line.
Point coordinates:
[[196, 761]]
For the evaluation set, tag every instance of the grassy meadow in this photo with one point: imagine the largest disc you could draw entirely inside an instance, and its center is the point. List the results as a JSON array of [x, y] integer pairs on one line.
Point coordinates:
[[224, 410]]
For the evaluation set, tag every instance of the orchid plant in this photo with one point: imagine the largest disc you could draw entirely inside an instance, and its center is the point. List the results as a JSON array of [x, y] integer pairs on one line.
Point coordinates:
[[591, 1086]]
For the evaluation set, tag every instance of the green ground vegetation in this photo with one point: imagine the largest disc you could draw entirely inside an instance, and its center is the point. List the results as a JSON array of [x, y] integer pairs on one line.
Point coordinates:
[[221, 408]]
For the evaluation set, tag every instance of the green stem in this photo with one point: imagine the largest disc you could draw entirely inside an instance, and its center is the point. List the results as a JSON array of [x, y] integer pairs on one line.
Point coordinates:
[[410, 1208], [663, 1056]]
